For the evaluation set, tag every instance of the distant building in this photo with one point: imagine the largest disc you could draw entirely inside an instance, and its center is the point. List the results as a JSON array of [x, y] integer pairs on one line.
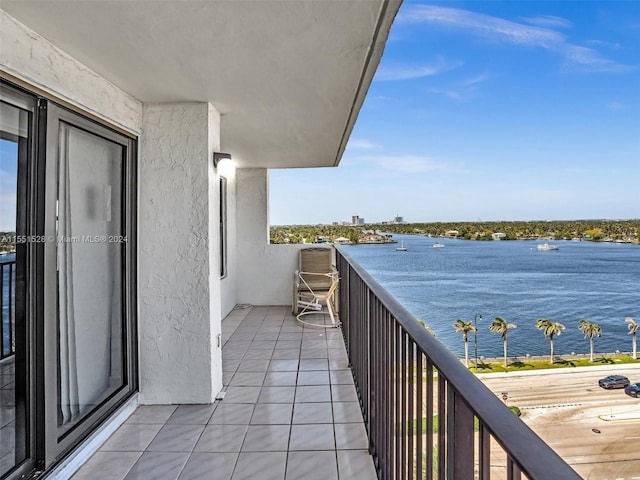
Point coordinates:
[[452, 233], [371, 238], [398, 219], [342, 241], [498, 236], [355, 220], [360, 221]]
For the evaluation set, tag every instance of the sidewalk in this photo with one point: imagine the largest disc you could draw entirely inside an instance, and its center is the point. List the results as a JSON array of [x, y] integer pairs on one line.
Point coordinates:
[[563, 371]]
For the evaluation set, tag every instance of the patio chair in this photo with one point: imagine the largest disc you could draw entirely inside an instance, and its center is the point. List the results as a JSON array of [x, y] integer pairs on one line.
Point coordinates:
[[312, 299], [311, 277]]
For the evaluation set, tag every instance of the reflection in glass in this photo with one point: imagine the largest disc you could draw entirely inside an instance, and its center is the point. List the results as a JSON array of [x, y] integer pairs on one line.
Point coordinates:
[[14, 147]]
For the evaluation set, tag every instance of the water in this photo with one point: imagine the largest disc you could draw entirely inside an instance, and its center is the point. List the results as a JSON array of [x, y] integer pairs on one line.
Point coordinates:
[[599, 282]]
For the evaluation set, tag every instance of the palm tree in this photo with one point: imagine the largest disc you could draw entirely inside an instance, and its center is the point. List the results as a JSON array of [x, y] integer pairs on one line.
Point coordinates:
[[633, 328], [549, 329], [428, 329], [590, 330], [500, 325], [465, 328]]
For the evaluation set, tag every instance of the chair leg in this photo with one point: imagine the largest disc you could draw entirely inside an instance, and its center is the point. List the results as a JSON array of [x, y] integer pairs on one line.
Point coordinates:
[[331, 314]]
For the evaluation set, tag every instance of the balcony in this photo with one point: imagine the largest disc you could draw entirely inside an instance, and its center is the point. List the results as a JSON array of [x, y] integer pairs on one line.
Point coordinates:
[[291, 410]]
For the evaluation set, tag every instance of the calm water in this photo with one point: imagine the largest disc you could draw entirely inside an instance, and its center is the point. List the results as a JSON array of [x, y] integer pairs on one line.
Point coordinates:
[[599, 282]]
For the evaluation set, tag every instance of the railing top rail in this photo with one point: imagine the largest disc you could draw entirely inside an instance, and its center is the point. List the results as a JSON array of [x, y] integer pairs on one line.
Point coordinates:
[[534, 456]]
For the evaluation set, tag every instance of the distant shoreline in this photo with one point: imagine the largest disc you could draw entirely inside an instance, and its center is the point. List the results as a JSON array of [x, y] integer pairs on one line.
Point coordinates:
[[596, 231]]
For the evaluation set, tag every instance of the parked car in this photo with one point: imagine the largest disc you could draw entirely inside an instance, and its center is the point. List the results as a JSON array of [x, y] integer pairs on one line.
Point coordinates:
[[633, 390], [614, 381]]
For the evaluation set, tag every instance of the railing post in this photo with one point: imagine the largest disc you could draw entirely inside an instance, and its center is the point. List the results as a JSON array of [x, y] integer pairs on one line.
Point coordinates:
[[12, 294], [442, 427], [463, 438], [484, 457], [2, 310]]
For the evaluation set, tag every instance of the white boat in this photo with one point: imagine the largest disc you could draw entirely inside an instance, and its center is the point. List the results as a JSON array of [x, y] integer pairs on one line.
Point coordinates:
[[438, 245], [401, 248], [546, 246]]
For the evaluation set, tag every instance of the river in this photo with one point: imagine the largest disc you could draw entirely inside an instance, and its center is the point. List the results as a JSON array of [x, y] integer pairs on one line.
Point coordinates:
[[599, 282]]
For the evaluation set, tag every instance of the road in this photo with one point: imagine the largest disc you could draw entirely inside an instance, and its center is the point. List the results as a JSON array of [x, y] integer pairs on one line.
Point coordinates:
[[596, 431]]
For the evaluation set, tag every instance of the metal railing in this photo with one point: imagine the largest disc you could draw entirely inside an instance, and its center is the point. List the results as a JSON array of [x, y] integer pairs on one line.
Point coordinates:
[[7, 307], [427, 416]]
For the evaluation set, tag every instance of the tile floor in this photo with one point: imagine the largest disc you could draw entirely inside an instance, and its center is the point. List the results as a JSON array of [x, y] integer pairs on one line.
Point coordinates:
[[7, 415], [290, 413]]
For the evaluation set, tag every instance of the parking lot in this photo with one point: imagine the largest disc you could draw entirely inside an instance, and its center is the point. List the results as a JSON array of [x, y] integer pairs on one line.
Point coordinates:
[[596, 431]]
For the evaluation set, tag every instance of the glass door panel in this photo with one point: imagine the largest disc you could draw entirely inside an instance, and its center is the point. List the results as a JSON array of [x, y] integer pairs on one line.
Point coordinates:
[[67, 279], [88, 288], [89, 270], [15, 148]]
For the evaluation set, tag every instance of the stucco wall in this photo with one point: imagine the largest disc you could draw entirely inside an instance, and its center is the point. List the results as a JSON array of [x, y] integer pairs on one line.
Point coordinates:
[[28, 56], [179, 280], [265, 271]]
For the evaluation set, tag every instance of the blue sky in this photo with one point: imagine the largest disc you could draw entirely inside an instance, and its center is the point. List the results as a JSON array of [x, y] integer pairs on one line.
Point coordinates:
[[505, 110], [8, 166]]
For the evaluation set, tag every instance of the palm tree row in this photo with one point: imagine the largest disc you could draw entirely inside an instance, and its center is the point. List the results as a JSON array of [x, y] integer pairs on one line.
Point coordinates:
[[549, 329]]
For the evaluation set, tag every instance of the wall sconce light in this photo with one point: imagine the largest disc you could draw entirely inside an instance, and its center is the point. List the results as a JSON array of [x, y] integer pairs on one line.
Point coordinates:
[[219, 156]]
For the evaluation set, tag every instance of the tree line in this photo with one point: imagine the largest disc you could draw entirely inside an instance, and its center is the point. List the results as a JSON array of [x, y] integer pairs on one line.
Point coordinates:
[[548, 328], [588, 230]]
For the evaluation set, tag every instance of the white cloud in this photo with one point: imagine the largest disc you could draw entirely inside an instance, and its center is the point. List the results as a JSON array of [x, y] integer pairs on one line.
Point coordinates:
[[600, 43], [465, 89], [405, 164], [549, 21], [452, 94], [587, 59], [617, 106], [583, 58], [361, 144], [475, 80], [483, 25], [405, 72]]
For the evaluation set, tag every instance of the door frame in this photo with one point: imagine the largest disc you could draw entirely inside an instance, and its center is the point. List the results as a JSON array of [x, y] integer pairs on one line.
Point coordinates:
[[57, 445], [28, 416], [38, 193]]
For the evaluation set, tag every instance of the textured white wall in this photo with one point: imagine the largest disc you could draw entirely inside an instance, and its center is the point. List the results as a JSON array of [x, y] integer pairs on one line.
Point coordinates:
[[178, 279], [28, 56], [265, 271], [181, 297]]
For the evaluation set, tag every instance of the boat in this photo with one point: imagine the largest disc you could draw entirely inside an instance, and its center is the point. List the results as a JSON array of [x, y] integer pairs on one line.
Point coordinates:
[[438, 245], [401, 248], [543, 247]]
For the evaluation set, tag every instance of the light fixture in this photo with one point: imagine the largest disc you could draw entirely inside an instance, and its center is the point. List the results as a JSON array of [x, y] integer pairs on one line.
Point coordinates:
[[219, 156]]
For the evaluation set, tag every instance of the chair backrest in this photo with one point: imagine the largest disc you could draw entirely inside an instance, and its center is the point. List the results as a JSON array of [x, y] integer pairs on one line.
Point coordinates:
[[316, 259]]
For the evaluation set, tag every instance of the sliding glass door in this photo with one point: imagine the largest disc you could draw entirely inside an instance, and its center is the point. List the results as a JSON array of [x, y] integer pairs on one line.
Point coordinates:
[[67, 278], [16, 154], [88, 288]]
